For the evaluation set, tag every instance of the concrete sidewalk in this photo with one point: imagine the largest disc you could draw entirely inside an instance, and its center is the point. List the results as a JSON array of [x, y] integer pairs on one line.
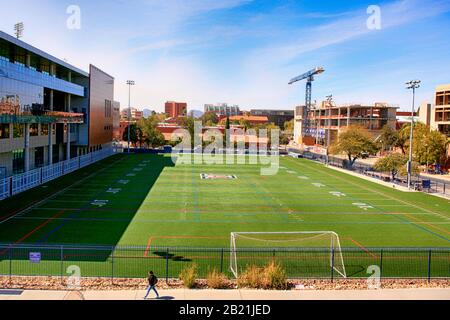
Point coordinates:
[[185, 294]]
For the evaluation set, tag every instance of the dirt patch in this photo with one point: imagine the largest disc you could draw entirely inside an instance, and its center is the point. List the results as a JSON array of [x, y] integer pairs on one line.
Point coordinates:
[[58, 283]]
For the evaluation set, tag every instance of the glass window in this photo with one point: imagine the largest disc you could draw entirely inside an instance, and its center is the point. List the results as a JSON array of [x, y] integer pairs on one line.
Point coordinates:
[[34, 130], [18, 130], [44, 129], [18, 161], [4, 131]]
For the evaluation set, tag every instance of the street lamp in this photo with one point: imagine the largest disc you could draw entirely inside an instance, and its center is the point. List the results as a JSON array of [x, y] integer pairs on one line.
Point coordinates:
[[129, 83], [413, 84]]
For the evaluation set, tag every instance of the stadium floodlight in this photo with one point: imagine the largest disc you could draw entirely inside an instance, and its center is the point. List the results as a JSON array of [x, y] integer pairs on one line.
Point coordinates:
[[18, 30], [129, 83], [289, 245], [413, 84]]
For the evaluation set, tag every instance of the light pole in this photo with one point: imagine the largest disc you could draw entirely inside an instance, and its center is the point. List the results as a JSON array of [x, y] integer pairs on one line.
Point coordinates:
[[129, 83], [413, 84]]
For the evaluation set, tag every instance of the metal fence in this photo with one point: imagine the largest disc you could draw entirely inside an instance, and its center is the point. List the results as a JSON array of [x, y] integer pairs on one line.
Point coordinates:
[[167, 262], [435, 186], [16, 184]]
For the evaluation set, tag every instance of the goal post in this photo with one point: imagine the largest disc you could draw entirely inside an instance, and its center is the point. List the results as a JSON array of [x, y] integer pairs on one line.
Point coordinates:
[[324, 246]]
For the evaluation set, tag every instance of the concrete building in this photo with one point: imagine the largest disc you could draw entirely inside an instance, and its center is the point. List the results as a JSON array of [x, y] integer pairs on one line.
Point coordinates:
[[116, 121], [50, 111], [223, 109], [175, 109], [278, 117], [437, 115], [328, 121], [136, 114]]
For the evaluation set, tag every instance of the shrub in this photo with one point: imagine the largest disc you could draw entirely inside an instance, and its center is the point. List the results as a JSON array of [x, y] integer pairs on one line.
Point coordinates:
[[216, 280], [189, 276], [274, 277], [250, 278]]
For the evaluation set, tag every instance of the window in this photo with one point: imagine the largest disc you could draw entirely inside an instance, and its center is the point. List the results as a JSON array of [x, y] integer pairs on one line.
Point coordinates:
[[34, 130], [44, 129], [18, 161], [4, 131], [18, 130]]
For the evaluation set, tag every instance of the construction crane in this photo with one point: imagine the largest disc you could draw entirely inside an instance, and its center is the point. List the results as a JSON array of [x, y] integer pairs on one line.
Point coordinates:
[[309, 76]]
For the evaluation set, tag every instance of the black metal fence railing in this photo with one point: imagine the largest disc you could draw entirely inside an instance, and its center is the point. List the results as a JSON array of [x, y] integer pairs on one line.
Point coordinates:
[[167, 262], [433, 185]]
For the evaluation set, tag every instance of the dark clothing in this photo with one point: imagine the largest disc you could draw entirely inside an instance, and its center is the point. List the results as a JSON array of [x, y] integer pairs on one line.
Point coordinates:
[[152, 280]]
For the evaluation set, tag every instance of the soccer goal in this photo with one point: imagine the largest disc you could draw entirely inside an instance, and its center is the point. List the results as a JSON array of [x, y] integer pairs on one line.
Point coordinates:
[[297, 249]]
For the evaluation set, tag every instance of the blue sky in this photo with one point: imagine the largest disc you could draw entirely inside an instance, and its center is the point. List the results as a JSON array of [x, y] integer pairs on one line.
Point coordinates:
[[244, 52]]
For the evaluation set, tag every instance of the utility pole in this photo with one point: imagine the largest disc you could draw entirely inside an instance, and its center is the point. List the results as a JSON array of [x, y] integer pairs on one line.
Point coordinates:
[[413, 84], [129, 83]]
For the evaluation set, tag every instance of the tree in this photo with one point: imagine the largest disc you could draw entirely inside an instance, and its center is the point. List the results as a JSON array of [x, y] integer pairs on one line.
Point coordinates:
[[135, 132], [389, 137], [355, 141], [392, 163], [150, 134], [289, 127], [210, 118]]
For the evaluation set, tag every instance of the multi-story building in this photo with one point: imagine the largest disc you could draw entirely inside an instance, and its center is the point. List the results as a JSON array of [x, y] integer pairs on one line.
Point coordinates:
[[176, 109], [116, 120], [50, 111], [328, 121], [278, 117], [135, 114], [223, 109], [437, 115]]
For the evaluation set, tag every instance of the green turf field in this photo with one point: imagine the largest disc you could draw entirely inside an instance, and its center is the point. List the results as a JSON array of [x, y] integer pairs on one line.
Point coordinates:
[[147, 201]]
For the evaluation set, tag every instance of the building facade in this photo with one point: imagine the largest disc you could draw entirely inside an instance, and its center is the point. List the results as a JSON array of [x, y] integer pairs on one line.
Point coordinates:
[[437, 114], [328, 121], [49, 110], [277, 117], [176, 109], [135, 114], [223, 109]]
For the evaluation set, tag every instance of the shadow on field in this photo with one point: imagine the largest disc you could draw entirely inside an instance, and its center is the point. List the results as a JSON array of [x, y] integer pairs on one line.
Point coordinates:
[[171, 256], [87, 224]]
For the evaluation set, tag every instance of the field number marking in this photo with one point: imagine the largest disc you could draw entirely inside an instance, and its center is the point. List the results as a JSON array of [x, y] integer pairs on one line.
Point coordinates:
[[338, 194], [114, 190], [318, 185], [303, 178], [99, 203], [363, 206], [123, 181]]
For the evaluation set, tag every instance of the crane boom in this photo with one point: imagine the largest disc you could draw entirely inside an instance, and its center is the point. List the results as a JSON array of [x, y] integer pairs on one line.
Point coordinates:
[[308, 75]]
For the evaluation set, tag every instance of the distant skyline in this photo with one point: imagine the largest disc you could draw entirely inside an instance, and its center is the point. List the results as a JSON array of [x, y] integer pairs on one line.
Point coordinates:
[[244, 52]]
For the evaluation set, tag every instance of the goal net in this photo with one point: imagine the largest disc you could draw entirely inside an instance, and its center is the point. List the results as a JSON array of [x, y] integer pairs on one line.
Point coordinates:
[[307, 252]]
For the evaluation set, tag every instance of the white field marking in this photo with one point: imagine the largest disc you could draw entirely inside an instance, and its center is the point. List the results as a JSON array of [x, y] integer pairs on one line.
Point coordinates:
[[61, 191], [114, 190], [318, 185], [291, 172], [99, 203], [137, 169], [284, 168], [131, 175], [142, 165], [303, 177], [146, 161], [123, 181], [379, 193], [338, 194], [363, 206]]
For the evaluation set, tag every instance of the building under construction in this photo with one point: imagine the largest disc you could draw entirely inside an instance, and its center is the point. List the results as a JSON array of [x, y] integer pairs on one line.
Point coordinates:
[[327, 121]]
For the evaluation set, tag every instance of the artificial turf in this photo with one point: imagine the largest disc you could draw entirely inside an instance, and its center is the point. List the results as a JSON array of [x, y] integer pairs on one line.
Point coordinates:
[[149, 202]]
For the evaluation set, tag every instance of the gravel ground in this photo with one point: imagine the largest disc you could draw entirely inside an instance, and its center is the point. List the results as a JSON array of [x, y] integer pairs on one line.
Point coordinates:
[[56, 283]]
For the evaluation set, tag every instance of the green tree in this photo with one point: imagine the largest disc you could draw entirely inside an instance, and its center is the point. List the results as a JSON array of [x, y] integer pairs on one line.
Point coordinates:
[[209, 118], [289, 127], [388, 138], [392, 163], [150, 134], [135, 134], [354, 142]]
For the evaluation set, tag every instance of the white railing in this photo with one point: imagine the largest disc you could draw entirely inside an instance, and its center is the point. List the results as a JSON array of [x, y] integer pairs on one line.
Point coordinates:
[[52, 172], [5, 185], [19, 183], [25, 181]]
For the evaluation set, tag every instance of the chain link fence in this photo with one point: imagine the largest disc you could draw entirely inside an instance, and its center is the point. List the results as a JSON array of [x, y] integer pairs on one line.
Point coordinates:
[[299, 263]]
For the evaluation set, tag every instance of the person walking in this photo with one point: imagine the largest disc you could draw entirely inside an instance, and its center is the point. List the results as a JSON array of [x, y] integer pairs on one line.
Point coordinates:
[[152, 281]]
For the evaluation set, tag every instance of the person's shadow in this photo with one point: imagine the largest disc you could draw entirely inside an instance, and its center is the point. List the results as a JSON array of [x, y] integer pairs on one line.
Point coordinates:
[[164, 298]]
